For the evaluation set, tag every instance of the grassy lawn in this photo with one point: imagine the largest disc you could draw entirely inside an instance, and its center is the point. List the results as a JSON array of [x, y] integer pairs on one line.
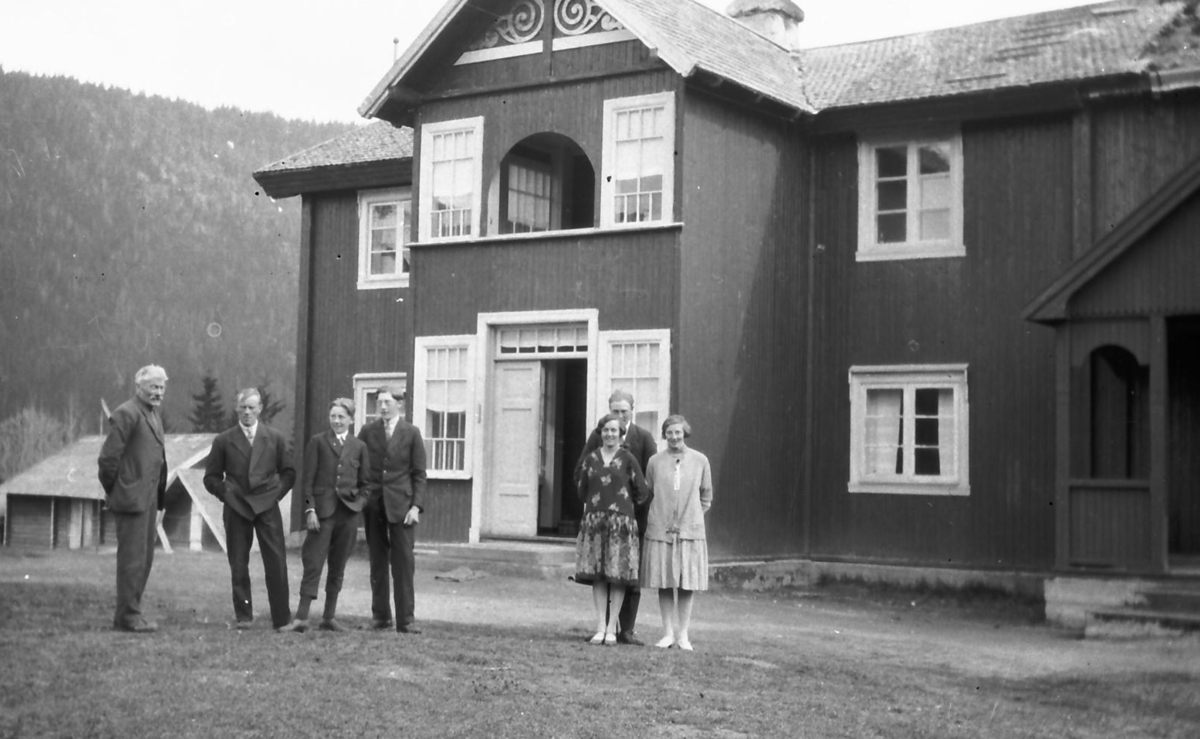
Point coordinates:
[[506, 658]]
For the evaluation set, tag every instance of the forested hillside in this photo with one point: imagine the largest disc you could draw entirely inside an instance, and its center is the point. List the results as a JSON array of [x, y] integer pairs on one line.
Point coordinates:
[[132, 232]]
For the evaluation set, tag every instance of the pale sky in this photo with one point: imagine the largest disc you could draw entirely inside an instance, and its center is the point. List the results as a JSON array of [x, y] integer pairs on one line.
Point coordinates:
[[316, 59]]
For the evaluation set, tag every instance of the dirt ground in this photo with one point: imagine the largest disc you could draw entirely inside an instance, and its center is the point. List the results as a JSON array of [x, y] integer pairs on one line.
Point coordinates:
[[975, 658]]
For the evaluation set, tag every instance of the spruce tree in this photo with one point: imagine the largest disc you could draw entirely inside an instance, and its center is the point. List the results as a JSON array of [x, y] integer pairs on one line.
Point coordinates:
[[208, 413]]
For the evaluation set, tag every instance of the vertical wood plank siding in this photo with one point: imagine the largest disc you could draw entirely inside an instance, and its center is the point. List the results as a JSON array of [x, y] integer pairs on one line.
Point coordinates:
[[1018, 232], [629, 277], [739, 355], [1159, 277], [1139, 145], [29, 522], [589, 61]]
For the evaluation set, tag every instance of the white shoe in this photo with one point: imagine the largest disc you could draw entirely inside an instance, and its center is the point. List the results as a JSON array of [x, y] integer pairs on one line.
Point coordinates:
[[598, 638], [665, 642], [684, 644]]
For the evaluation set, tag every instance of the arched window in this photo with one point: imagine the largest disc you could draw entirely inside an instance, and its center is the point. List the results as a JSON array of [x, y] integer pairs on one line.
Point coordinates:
[[1120, 410], [545, 183]]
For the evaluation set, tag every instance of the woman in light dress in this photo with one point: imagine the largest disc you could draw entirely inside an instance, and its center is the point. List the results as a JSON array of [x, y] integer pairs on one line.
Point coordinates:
[[675, 557]]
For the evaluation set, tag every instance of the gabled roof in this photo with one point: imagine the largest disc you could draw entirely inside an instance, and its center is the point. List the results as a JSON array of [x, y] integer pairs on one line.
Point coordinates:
[[72, 473], [369, 143], [1051, 306], [1074, 44], [329, 164], [687, 36]]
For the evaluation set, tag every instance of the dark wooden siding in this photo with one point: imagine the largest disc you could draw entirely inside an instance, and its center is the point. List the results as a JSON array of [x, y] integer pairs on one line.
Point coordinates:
[[345, 330], [447, 515], [1017, 206], [547, 67], [628, 276], [1139, 144], [1157, 277], [739, 355], [62, 522], [29, 521]]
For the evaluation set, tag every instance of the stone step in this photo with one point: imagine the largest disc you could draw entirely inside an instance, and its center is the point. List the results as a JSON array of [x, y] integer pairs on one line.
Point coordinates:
[[1134, 622], [1173, 600]]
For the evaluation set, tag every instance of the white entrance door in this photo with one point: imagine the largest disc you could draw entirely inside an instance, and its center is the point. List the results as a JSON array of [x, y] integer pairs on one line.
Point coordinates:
[[516, 433]]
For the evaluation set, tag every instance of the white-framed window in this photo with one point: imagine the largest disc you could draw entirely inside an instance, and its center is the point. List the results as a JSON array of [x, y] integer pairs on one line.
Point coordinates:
[[909, 430], [637, 184], [443, 403], [451, 180], [638, 362], [910, 195], [529, 198], [383, 220], [366, 395]]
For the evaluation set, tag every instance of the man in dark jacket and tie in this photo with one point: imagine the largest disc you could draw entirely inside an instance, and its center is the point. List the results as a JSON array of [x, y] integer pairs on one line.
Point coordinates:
[[397, 458], [642, 445], [250, 470], [133, 473]]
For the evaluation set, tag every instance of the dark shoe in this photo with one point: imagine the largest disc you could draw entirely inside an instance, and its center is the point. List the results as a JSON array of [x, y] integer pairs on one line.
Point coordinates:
[[331, 624], [296, 626], [141, 627], [408, 629], [630, 638], [379, 624]]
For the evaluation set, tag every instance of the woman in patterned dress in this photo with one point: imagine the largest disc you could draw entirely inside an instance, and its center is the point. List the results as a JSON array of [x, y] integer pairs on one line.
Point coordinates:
[[606, 551], [676, 551]]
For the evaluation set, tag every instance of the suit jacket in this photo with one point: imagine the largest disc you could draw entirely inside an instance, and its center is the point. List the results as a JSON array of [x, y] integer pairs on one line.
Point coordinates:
[[250, 481], [133, 460], [330, 476], [638, 441], [397, 467]]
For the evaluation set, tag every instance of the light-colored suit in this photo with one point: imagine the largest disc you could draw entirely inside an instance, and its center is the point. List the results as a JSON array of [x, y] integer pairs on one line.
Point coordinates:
[[397, 483], [133, 473], [251, 482]]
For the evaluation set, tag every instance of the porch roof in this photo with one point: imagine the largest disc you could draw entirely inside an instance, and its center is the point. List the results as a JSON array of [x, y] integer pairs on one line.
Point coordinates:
[[1051, 305]]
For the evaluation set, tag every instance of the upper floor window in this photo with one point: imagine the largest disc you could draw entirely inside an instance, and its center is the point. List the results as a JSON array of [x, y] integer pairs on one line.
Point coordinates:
[[908, 430], [383, 220], [910, 198], [638, 180], [451, 157], [529, 198]]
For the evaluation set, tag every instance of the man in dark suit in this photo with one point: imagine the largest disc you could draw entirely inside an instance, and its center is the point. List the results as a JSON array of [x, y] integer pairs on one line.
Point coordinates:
[[133, 473], [397, 481], [642, 446], [334, 486], [250, 470]]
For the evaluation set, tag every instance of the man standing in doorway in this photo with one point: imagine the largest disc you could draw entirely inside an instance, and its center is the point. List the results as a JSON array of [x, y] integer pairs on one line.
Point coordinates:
[[642, 446], [133, 473], [397, 482], [250, 470]]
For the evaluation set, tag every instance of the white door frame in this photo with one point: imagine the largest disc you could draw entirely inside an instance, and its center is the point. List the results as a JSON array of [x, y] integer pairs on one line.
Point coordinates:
[[485, 358]]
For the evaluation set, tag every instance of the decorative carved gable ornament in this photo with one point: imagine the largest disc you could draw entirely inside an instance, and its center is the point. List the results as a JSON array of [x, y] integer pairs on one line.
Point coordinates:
[[577, 23]]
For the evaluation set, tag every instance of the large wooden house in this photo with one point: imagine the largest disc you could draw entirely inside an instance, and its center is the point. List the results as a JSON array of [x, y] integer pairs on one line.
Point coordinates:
[[924, 300]]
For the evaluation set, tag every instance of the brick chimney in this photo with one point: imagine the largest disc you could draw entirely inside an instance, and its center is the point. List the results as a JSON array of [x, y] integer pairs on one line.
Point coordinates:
[[777, 20]]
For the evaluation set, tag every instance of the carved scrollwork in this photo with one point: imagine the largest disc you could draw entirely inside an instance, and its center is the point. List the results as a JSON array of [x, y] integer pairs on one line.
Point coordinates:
[[521, 24], [577, 17]]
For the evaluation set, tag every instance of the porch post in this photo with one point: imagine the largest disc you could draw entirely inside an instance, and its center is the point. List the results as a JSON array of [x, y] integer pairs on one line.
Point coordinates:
[[1062, 446], [1159, 434]]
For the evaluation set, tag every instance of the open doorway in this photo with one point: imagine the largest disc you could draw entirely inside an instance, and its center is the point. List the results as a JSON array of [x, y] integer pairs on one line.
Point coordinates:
[[564, 432], [1183, 452]]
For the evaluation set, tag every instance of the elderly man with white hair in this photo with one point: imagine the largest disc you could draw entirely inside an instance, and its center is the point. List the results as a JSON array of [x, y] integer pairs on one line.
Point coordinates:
[[133, 473]]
